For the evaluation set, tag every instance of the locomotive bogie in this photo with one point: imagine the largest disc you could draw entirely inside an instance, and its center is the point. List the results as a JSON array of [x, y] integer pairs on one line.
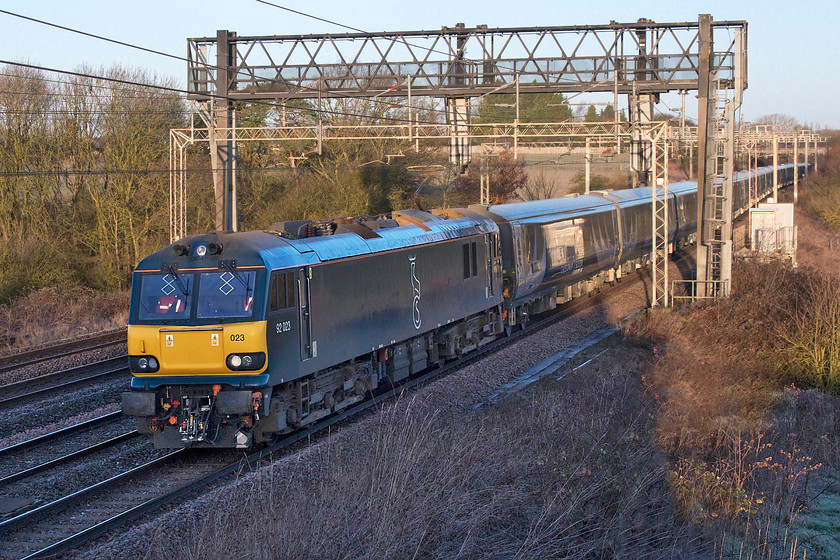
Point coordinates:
[[304, 401]]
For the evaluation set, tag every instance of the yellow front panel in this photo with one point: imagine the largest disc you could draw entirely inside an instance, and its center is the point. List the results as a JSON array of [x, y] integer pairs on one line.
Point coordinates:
[[190, 351], [196, 350]]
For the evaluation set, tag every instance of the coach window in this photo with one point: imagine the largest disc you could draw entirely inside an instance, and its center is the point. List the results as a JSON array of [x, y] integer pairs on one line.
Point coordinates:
[[282, 295]]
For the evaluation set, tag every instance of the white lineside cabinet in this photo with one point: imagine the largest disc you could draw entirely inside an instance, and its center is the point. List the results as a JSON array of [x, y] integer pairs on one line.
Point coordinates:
[[772, 228]]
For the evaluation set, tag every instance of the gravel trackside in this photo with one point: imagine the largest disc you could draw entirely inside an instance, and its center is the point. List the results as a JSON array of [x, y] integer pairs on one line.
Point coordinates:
[[439, 411]]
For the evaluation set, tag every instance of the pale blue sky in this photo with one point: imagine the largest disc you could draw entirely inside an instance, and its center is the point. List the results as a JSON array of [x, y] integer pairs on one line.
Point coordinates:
[[793, 45]]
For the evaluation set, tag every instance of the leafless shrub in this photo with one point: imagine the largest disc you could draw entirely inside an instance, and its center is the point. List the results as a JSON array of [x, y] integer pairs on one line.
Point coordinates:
[[538, 187], [745, 450], [56, 313], [813, 333]]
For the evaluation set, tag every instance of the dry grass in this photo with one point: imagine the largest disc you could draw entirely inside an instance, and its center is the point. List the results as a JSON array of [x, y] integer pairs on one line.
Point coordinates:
[[565, 473], [51, 314], [744, 445]]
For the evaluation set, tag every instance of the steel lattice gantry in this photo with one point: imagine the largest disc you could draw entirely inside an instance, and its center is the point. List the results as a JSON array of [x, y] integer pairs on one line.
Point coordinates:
[[641, 59], [631, 58]]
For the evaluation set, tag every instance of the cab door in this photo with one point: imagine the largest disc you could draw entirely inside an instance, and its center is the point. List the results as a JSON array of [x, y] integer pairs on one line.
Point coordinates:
[[494, 263], [282, 324], [307, 350], [519, 254]]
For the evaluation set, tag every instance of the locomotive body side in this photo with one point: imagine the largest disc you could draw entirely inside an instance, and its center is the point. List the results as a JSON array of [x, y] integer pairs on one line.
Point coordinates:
[[318, 322]]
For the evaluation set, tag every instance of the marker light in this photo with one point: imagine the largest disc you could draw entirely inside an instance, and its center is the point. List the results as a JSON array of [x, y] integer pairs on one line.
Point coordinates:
[[143, 364], [246, 362]]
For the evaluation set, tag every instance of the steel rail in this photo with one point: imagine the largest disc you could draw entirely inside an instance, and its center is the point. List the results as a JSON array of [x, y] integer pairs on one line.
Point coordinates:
[[60, 350], [20, 389], [252, 460], [69, 457], [70, 500], [63, 432]]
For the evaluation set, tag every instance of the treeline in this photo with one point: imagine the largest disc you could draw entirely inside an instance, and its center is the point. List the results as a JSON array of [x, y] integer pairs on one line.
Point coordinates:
[[83, 176], [85, 173], [822, 200], [85, 170]]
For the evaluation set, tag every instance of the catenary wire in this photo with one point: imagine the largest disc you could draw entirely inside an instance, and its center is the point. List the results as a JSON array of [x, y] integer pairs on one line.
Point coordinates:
[[153, 51], [180, 58], [103, 172], [212, 95]]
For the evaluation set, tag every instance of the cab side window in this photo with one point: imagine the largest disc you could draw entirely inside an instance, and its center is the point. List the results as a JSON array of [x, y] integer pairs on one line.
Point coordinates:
[[470, 260], [282, 294]]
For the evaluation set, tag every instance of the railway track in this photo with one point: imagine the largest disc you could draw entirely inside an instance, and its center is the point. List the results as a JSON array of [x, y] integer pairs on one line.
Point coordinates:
[[68, 522], [32, 456], [46, 353], [19, 392]]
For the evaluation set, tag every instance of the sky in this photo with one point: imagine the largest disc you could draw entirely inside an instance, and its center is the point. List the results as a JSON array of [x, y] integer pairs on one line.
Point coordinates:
[[793, 47]]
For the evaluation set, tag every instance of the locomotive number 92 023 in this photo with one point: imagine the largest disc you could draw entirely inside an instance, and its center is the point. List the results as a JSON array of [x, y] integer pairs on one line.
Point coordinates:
[[285, 326]]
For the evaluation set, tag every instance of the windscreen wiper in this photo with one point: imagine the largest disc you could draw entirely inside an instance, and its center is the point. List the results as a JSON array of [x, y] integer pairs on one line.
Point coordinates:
[[171, 270], [231, 267]]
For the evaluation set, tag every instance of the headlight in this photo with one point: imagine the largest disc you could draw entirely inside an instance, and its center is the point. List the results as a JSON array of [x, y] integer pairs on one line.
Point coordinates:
[[200, 250], [143, 364], [246, 362]]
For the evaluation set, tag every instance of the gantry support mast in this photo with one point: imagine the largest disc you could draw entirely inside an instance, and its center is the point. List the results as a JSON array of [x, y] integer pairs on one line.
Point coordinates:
[[718, 100]]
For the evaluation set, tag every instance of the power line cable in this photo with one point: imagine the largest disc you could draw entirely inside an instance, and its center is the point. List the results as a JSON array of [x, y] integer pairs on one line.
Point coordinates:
[[161, 53], [184, 59], [92, 35], [285, 82], [178, 90], [431, 50], [211, 95], [304, 14], [102, 172]]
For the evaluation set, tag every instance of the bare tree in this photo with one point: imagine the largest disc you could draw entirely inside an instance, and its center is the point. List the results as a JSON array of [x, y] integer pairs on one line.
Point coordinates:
[[538, 187], [778, 119]]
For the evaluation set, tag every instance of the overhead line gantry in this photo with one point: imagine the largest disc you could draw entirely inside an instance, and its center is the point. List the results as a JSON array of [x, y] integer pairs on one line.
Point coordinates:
[[642, 60]]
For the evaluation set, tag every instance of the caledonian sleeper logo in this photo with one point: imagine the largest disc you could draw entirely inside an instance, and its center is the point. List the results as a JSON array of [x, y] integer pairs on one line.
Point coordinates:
[[415, 284]]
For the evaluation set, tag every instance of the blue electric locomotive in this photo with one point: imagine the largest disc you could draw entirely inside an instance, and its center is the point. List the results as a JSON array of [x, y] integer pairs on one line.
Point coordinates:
[[238, 337]]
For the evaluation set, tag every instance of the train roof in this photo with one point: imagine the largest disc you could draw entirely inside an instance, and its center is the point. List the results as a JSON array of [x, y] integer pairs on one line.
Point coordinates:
[[548, 210], [272, 250], [351, 244], [569, 207]]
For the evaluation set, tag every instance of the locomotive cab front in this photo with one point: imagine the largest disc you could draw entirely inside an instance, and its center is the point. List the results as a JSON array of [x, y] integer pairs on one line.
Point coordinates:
[[197, 345]]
